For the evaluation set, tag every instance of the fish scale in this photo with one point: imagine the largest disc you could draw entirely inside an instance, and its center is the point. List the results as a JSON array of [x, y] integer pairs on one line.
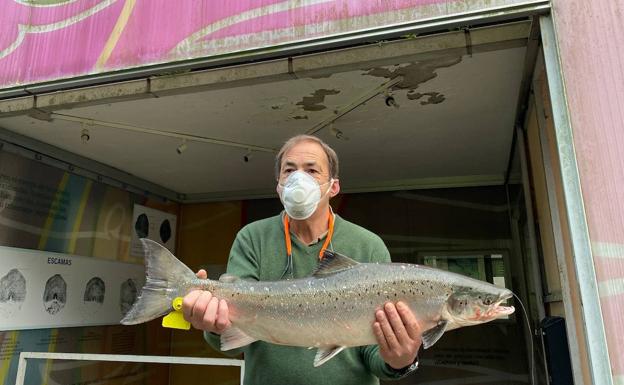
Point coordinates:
[[332, 309]]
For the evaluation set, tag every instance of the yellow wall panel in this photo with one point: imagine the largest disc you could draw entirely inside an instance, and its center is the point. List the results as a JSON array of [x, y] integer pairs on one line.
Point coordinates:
[[205, 235]]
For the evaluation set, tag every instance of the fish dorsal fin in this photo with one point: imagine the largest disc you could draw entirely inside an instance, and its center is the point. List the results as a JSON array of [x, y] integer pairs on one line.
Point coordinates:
[[233, 338], [325, 354], [432, 335], [228, 278], [333, 263]]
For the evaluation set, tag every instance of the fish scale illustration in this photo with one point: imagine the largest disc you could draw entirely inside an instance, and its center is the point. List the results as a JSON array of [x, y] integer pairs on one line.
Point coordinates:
[[330, 310]]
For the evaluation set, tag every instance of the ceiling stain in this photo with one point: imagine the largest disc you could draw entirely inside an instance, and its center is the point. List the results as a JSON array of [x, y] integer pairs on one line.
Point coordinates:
[[433, 97], [313, 103], [416, 73]]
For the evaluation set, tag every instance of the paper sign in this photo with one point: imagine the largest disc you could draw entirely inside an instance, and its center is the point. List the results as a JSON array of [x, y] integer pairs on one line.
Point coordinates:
[[153, 224], [41, 289]]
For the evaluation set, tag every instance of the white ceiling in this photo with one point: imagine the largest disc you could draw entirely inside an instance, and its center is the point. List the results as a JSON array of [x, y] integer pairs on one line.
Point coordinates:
[[461, 137]]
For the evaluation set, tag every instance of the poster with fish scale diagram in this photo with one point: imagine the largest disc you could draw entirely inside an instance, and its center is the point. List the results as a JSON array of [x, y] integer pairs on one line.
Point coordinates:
[[48, 290]]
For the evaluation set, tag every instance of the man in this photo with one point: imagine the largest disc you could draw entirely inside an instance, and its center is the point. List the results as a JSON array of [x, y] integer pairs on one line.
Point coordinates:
[[289, 246]]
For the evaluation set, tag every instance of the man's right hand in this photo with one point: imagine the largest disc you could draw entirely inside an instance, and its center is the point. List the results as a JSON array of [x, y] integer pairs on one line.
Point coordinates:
[[204, 311]]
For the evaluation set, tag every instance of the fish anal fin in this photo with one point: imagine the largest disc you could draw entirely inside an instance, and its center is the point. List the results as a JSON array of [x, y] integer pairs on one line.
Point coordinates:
[[333, 263], [234, 338], [432, 335], [325, 354]]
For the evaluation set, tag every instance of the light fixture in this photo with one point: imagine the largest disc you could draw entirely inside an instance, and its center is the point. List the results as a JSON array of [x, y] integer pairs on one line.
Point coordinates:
[[390, 101], [336, 132], [182, 147], [84, 134], [247, 156]]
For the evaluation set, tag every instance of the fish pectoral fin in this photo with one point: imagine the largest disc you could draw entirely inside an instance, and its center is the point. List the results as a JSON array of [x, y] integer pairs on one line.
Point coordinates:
[[333, 263], [432, 335], [325, 354], [234, 338]]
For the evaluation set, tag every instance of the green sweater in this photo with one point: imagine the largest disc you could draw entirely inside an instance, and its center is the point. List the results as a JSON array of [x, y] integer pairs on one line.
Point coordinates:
[[259, 253]]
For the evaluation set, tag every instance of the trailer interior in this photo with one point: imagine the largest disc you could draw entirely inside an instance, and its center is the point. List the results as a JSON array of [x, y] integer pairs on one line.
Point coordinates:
[[447, 151]]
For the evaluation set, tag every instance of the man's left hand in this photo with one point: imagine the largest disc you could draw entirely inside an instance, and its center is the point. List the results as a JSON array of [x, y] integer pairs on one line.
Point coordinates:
[[398, 334]]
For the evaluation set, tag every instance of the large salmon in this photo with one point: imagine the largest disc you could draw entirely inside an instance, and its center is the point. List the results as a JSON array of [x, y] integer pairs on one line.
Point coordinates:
[[332, 309]]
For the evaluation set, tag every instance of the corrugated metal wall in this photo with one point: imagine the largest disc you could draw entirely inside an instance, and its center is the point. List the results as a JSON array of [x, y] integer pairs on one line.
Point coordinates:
[[592, 57], [60, 39]]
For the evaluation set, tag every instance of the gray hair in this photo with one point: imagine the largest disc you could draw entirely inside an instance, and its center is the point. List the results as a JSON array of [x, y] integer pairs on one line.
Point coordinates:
[[290, 143]]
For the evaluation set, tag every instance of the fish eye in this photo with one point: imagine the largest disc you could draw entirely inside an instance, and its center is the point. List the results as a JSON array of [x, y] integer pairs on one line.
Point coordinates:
[[487, 301]]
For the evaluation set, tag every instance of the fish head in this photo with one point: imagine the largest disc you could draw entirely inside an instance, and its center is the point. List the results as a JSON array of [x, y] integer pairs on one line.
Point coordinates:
[[477, 304]]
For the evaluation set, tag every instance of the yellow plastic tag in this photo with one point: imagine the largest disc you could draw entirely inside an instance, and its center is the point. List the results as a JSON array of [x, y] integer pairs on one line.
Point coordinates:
[[175, 319]]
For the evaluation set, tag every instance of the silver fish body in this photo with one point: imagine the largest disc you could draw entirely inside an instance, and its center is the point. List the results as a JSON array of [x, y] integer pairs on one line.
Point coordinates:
[[336, 310], [332, 309]]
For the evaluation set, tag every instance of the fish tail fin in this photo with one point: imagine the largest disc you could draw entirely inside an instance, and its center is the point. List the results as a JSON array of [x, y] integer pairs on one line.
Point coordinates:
[[164, 272]]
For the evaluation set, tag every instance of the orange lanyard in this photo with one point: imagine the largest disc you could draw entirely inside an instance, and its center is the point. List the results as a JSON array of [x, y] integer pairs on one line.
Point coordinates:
[[330, 233]]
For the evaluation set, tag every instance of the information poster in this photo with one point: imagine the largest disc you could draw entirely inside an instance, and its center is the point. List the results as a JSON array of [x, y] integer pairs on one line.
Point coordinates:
[[48, 290], [159, 226]]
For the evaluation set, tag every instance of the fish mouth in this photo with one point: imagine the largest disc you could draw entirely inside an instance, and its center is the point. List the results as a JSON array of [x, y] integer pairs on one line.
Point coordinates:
[[504, 310]]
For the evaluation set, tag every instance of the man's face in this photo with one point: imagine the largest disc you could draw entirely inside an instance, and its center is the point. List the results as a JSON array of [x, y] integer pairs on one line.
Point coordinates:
[[308, 157]]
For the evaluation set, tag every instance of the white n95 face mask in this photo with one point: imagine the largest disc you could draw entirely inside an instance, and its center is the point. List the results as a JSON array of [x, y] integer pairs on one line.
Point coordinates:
[[300, 194]]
